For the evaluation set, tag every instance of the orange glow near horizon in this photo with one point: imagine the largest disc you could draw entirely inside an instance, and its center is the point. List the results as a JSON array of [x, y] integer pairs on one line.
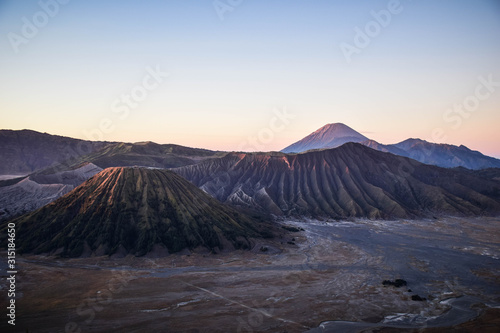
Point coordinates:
[[175, 73]]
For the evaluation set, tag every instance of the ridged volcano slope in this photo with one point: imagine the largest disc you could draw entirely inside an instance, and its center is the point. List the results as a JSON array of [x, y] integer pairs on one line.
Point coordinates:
[[130, 210], [352, 180]]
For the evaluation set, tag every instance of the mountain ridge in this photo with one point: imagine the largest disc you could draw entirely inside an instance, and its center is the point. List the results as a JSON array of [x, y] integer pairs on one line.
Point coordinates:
[[26, 151], [131, 210], [349, 181], [443, 155]]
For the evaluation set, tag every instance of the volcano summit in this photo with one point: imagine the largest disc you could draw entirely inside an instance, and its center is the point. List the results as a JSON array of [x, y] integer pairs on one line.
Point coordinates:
[[134, 210]]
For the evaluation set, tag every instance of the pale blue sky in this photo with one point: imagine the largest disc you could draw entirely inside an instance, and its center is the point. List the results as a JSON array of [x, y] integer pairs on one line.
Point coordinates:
[[227, 76]]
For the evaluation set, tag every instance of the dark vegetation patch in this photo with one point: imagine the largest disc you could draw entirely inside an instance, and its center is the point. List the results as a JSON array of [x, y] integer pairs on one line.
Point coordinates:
[[418, 298], [292, 229], [396, 283]]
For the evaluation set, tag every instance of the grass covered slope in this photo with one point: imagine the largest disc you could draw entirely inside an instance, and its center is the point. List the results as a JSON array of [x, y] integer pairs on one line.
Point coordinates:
[[130, 210]]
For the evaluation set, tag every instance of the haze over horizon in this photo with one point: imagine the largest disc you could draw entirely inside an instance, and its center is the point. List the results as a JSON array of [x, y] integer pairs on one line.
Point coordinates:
[[429, 71]]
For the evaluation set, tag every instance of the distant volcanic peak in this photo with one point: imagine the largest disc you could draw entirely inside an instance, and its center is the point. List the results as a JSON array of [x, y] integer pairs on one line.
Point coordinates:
[[328, 136], [339, 130], [131, 209]]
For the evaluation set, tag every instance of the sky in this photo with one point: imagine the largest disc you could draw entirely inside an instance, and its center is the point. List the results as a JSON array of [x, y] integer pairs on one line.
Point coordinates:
[[252, 75]]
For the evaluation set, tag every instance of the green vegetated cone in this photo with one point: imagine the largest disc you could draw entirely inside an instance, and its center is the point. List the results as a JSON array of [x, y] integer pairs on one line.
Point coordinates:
[[130, 210]]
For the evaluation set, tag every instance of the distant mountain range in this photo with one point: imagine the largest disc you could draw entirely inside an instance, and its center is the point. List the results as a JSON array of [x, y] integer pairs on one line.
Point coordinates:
[[64, 203], [148, 154], [443, 155], [24, 152], [134, 210]]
